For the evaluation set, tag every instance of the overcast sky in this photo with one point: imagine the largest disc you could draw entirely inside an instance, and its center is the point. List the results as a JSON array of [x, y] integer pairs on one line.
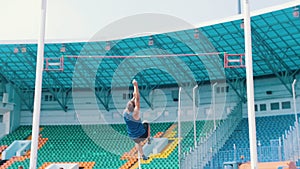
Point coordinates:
[[81, 19]]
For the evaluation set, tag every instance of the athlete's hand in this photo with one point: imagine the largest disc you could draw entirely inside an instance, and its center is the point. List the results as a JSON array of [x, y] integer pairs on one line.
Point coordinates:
[[134, 82]]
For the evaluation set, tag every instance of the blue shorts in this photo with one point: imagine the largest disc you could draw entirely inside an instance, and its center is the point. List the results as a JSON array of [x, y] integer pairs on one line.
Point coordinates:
[[144, 136]]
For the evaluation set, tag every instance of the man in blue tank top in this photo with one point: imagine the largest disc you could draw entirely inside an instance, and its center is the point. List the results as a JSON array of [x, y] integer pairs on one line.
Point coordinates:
[[136, 130]]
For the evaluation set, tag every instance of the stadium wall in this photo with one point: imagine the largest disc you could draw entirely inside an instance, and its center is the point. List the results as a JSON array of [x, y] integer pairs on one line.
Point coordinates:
[[15, 114], [9, 120], [272, 98], [84, 108]]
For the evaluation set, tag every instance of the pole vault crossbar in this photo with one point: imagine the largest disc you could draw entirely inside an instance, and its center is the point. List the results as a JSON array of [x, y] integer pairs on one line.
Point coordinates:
[[61, 60], [149, 56]]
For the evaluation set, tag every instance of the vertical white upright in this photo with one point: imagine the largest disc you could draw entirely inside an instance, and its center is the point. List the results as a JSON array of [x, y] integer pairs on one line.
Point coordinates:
[[38, 88], [179, 126], [296, 117], [195, 113], [139, 160], [250, 86], [214, 103]]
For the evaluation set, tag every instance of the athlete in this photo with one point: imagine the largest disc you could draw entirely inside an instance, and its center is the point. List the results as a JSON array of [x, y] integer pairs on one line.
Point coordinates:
[[136, 130]]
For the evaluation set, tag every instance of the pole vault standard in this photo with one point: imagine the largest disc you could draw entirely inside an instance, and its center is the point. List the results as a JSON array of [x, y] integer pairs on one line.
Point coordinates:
[[195, 115], [250, 86], [179, 127], [296, 117], [38, 88], [214, 103]]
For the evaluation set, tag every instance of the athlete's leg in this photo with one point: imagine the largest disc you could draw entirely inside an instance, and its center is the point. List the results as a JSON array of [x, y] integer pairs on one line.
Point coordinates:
[[146, 125], [140, 149]]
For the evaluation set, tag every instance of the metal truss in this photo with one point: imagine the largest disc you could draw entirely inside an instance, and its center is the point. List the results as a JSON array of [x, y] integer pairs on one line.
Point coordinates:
[[102, 92], [235, 80], [145, 87], [177, 69], [26, 95], [55, 87], [274, 62]]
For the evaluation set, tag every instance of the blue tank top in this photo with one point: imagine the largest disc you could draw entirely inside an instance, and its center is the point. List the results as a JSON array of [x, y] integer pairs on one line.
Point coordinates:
[[135, 128]]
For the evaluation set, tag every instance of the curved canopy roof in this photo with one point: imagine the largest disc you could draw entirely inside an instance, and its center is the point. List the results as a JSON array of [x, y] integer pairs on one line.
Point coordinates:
[[162, 59]]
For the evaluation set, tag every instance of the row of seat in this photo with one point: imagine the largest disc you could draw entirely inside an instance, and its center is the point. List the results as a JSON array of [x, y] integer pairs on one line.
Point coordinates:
[[103, 144], [73, 143], [267, 128], [21, 133]]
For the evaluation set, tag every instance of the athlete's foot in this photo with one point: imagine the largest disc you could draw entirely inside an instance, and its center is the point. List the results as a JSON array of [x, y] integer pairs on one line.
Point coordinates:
[[149, 140], [145, 157]]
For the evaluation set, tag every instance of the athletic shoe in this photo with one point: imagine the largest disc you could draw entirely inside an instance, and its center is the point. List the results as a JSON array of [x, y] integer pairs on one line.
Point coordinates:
[[149, 140], [145, 157]]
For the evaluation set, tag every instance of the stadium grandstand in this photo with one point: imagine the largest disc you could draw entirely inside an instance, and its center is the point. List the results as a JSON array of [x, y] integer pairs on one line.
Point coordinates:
[[193, 88]]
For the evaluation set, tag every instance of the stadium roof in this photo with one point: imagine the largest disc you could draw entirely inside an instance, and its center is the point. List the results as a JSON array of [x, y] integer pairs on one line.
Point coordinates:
[[163, 59]]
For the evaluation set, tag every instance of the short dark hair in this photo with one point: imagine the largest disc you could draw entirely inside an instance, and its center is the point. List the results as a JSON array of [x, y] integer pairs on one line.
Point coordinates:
[[130, 106]]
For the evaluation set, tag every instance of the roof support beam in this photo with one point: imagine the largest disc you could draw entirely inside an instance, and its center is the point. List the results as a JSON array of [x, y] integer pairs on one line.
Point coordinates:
[[23, 86], [174, 70], [27, 97], [59, 95], [103, 95], [239, 87], [144, 84], [236, 83], [145, 91], [278, 67], [28, 101], [99, 84]]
